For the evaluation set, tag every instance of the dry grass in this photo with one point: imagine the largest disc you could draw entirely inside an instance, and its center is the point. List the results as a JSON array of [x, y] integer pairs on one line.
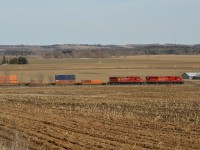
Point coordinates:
[[103, 68]]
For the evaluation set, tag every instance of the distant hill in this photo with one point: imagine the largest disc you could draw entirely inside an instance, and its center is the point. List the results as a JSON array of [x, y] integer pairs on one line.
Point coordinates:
[[86, 50]]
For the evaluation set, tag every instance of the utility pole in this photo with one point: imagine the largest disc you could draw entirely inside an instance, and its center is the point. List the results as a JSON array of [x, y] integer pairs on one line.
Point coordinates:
[[178, 63]]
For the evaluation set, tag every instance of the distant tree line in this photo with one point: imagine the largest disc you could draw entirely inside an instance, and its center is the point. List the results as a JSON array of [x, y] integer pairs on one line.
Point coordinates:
[[58, 53], [96, 51], [15, 60]]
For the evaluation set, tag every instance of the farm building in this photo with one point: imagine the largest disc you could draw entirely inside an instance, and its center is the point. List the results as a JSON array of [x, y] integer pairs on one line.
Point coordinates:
[[196, 78], [191, 75]]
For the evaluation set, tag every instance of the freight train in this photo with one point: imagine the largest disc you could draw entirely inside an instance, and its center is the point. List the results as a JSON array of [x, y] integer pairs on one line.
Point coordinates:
[[71, 80]]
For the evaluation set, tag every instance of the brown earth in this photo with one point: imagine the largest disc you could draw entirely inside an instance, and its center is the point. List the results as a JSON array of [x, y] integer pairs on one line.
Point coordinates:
[[100, 117]]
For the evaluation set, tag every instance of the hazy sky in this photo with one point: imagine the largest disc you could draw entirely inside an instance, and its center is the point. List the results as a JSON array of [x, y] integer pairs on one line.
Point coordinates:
[[42, 22]]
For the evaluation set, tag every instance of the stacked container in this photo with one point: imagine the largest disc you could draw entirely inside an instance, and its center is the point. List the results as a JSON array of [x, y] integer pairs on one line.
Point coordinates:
[[10, 79], [65, 79]]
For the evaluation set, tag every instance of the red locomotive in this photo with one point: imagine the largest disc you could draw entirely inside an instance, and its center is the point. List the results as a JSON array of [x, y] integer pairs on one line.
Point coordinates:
[[126, 80], [164, 80]]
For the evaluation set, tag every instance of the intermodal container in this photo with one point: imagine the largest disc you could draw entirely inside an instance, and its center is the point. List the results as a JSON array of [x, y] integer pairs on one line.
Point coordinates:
[[96, 81], [10, 79], [85, 82], [65, 82], [65, 77]]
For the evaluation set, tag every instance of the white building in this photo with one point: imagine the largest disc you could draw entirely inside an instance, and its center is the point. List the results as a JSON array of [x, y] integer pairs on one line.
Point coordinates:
[[190, 75]]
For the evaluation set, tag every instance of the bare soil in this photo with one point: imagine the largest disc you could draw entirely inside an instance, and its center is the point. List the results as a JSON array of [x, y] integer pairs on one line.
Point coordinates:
[[100, 117]]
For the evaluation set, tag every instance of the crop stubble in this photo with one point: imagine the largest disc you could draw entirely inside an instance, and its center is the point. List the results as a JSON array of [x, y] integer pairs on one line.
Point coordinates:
[[100, 117]]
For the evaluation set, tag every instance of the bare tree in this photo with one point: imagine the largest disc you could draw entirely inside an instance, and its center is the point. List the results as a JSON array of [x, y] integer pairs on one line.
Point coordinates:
[[48, 55], [21, 78], [51, 79], [40, 77], [6, 77], [57, 54]]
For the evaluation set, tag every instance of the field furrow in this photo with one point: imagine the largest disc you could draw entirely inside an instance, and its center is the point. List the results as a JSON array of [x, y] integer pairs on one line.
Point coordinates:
[[135, 117]]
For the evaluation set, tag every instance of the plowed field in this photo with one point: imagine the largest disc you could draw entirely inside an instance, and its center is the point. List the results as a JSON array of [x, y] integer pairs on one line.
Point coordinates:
[[100, 117]]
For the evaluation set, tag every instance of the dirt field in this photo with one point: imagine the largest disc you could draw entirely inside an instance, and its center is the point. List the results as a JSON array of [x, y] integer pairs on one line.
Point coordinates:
[[100, 117]]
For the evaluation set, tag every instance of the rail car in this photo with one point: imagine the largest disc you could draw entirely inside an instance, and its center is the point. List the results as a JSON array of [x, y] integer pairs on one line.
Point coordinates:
[[91, 82]]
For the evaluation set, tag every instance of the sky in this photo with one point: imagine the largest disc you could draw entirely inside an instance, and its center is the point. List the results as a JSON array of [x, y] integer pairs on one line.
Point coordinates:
[[48, 22]]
